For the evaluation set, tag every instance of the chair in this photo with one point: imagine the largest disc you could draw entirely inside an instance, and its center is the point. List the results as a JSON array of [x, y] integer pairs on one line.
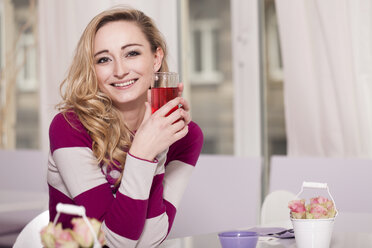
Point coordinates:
[[223, 193], [30, 234], [275, 211]]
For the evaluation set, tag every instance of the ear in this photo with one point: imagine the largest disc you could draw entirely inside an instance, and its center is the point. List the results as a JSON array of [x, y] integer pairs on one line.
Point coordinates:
[[158, 58]]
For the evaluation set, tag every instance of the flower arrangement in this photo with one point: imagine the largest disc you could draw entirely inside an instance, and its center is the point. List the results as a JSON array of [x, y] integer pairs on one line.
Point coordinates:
[[54, 236], [319, 208]]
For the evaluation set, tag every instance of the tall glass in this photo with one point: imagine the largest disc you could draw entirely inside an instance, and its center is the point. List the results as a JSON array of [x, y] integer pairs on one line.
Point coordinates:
[[164, 88]]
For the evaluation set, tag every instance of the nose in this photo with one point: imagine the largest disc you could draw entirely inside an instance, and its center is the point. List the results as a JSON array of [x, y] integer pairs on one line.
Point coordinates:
[[120, 69]]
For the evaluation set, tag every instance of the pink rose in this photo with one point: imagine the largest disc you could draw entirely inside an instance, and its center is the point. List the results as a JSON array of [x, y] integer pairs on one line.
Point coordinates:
[[82, 233], [331, 209], [318, 200], [64, 238], [297, 206], [329, 205], [81, 236], [56, 237], [324, 202], [319, 207], [97, 229], [316, 211], [298, 209], [47, 236]]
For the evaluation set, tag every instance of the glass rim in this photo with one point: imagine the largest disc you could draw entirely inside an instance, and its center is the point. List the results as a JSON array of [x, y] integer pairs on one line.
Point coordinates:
[[165, 79], [166, 73]]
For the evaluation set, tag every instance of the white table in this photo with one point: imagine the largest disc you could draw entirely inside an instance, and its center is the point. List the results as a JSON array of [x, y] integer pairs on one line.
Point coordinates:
[[351, 230], [339, 240]]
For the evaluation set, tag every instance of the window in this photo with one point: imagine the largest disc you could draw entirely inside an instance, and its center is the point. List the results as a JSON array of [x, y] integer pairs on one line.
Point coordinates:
[[19, 105], [204, 64], [275, 138], [210, 70]]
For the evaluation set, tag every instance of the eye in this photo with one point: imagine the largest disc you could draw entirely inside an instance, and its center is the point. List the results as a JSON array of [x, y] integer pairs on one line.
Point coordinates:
[[103, 60], [132, 53]]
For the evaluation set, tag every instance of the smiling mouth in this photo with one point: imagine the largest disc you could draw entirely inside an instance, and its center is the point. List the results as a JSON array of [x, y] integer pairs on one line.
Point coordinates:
[[124, 84]]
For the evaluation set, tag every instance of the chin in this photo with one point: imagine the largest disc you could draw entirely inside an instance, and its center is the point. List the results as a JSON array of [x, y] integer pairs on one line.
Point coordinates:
[[124, 101]]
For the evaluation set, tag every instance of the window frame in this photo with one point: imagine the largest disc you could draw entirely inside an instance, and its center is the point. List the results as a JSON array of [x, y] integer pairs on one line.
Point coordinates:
[[207, 74]]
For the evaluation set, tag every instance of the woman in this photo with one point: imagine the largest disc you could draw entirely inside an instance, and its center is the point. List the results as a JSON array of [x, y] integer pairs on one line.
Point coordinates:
[[126, 166]]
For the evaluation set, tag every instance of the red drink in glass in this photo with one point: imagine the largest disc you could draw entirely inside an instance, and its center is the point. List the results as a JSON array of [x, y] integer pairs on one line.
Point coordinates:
[[160, 96]]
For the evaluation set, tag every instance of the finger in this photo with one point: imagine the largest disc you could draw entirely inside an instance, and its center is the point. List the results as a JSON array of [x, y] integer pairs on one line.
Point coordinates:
[[166, 108], [174, 116], [177, 125], [179, 114], [182, 133], [180, 89], [186, 116], [185, 104]]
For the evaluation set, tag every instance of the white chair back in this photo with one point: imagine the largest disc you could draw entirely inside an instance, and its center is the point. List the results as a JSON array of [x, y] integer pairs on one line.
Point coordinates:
[[275, 211], [30, 234], [224, 193]]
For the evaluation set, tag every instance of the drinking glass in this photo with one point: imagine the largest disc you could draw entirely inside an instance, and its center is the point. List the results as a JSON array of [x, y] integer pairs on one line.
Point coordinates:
[[164, 88]]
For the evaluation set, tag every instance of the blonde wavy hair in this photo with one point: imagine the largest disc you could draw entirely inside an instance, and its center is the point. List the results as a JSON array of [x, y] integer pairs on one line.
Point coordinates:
[[81, 94]]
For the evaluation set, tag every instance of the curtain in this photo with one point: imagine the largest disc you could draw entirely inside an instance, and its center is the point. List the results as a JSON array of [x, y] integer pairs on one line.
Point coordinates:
[[61, 24], [327, 58]]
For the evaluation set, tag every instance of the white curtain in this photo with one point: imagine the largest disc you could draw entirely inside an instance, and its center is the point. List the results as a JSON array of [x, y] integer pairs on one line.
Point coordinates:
[[60, 25], [327, 56]]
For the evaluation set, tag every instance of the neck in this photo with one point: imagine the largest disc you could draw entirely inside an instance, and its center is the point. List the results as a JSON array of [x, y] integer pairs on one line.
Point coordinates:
[[133, 114]]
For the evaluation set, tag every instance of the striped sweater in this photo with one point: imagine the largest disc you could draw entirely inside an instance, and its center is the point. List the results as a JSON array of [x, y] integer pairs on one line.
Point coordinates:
[[137, 213]]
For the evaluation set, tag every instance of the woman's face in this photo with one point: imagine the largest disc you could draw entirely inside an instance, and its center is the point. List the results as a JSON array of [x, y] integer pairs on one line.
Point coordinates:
[[124, 62]]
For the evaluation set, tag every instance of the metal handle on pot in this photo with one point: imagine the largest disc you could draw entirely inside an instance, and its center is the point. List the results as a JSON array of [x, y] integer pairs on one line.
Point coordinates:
[[80, 211], [316, 185]]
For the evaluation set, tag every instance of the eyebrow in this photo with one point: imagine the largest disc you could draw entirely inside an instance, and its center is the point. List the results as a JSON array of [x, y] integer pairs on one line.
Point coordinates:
[[122, 48]]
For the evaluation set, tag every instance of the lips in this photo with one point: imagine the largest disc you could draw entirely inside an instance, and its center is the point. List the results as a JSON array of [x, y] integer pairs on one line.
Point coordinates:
[[124, 83]]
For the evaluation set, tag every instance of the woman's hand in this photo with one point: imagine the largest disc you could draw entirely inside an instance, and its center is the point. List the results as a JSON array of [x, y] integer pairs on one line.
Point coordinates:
[[185, 105], [158, 131]]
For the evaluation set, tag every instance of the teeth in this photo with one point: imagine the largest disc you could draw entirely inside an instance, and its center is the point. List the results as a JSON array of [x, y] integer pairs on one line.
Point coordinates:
[[125, 83]]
